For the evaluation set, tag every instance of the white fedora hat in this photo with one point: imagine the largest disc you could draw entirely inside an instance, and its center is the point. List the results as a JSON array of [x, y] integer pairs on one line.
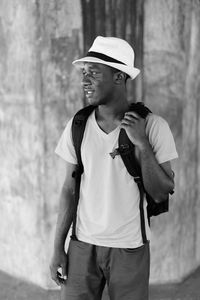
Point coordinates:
[[113, 52]]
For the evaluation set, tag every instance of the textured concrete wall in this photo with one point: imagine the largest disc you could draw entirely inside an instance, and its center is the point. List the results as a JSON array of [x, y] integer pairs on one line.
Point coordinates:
[[172, 86], [38, 94], [21, 149]]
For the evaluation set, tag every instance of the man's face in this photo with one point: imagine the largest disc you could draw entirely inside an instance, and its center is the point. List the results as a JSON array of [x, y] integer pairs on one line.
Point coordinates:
[[97, 83]]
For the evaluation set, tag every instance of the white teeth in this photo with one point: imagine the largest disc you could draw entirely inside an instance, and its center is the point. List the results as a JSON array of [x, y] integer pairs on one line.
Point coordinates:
[[88, 92]]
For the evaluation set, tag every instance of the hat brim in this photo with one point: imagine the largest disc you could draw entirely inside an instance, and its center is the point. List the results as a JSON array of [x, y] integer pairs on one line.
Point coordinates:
[[131, 71]]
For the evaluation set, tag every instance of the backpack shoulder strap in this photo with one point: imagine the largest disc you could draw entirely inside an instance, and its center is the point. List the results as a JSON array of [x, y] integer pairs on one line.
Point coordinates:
[[127, 152], [127, 148], [78, 127]]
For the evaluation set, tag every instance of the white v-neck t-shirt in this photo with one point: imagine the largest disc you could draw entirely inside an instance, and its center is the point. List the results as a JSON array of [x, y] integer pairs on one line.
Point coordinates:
[[108, 211]]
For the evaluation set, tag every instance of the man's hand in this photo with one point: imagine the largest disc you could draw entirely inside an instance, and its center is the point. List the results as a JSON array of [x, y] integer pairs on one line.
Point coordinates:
[[135, 128], [59, 262]]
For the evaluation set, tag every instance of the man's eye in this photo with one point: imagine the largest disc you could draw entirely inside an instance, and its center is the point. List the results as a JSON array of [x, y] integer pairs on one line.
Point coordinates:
[[91, 73]]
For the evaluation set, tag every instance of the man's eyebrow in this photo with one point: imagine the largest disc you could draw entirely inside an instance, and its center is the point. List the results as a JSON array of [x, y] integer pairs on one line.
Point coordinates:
[[91, 68]]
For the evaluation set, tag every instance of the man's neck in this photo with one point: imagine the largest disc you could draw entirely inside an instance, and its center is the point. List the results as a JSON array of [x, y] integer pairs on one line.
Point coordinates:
[[104, 112], [113, 110], [109, 117]]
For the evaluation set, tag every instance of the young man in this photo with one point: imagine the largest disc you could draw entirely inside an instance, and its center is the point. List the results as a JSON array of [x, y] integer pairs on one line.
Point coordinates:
[[109, 247]]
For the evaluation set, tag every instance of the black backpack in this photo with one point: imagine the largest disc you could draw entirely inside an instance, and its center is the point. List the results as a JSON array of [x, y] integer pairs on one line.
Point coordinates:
[[126, 150]]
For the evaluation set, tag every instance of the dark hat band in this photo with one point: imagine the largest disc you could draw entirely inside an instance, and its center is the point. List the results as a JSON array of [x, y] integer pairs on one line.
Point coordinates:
[[104, 57]]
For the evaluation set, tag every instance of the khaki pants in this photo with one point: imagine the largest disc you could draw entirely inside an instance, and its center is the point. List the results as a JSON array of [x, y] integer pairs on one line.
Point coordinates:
[[126, 272]]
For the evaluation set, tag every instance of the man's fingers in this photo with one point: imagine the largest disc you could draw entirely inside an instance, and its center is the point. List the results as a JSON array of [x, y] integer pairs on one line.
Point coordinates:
[[58, 278], [61, 278], [130, 119], [64, 269], [64, 272], [54, 275], [127, 122], [132, 114], [58, 268]]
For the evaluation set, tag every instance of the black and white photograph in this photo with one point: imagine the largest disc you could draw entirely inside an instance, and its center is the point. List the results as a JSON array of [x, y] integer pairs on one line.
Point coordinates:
[[100, 150]]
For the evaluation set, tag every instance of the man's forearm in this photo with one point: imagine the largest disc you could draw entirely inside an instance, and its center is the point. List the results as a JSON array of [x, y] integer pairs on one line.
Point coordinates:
[[65, 217], [156, 181]]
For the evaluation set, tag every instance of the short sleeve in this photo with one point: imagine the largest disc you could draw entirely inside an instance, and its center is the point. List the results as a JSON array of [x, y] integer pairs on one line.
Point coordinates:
[[65, 148], [161, 139]]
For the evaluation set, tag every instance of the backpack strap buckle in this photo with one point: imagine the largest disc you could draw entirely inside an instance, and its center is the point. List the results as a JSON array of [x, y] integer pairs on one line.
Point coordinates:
[[114, 153], [123, 149]]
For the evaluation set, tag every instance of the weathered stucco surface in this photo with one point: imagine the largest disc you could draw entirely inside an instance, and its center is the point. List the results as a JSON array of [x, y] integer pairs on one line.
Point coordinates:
[[172, 86], [40, 91], [38, 94], [21, 145]]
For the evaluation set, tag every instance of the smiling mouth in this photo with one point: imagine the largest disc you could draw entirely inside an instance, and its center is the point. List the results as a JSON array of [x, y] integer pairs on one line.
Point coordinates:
[[88, 93]]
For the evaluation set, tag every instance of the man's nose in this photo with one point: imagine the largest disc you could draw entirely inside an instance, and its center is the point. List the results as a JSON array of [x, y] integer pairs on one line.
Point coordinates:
[[86, 79]]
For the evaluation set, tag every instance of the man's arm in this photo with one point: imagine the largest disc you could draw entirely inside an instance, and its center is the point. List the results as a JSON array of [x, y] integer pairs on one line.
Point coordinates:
[[64, 221], [158, 179]]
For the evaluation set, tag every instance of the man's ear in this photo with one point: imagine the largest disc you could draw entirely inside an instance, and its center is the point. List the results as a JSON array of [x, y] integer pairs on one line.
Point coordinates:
[[119, 77]]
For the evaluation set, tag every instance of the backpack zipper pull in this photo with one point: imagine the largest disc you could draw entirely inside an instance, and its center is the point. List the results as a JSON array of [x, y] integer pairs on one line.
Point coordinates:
[[114, 153], [122, 149]]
